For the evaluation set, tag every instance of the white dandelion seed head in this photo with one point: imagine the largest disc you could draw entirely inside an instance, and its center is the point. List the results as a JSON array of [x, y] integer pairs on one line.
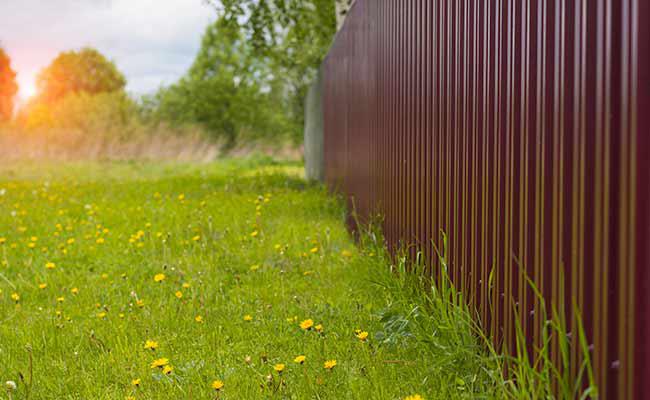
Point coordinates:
[[11, 385]]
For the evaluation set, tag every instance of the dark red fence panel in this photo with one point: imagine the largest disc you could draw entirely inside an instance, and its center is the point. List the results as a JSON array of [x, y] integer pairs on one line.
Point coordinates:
[[520, 129]]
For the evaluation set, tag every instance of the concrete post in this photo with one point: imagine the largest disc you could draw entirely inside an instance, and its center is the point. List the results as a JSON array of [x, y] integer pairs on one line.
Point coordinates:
[[314, 159]]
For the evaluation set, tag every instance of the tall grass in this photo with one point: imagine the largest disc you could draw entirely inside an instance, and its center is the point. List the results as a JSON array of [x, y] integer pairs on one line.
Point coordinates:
[[456, 339]]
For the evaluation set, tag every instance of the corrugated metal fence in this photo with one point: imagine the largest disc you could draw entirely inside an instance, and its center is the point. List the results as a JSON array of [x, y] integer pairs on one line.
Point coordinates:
[[520, 128]]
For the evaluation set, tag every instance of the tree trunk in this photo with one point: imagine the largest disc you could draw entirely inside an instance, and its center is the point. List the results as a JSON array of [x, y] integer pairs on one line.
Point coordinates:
[[342, 7]]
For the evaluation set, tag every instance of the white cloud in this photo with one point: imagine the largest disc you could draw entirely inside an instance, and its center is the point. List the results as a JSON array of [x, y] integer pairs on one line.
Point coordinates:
[[152, 41]]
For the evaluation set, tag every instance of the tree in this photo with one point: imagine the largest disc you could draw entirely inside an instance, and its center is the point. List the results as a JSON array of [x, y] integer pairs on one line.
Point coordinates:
[[293, 36], [8, 87], [84, 71], [227, 90]]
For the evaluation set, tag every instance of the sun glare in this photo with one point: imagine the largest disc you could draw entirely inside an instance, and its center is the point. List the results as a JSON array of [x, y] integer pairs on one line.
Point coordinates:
[[27, 87], [28, 90]]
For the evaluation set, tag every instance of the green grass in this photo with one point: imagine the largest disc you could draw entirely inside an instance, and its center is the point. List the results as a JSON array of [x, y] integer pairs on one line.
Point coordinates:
[[195, 224]]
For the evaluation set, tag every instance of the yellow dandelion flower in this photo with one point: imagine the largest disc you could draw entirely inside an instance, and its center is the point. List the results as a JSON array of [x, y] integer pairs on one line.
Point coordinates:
[[167, 370], [186, 285], [50, 265], [414, 397], [159, 363], [329, 365], [15, 297], [150, 345], [74, 290], [248, 318], [254, 233], [101, 315], [279, 368], [314, 250], [181, 197], [71, 241], [198, 319], [217, 385], [136, 382], [254, 267], [319, 328], [300, 359], [60, 299], [307, 324], [3, 240], [139, 303], [196, 238], [130, 397], [178, 294], [100, 241], [362, 336], [159, 278], [42, 285], [346, 253]]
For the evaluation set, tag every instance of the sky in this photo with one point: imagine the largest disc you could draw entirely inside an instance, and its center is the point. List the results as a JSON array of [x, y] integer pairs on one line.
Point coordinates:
[[153, 42]]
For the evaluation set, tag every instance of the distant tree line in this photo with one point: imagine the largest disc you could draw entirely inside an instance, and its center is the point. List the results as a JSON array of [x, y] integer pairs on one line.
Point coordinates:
[[247, 82]]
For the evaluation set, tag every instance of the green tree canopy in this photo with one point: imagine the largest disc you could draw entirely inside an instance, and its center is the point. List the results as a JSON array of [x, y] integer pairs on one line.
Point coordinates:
[[8, 87], [84, 71], [227, 90], [293, 36]]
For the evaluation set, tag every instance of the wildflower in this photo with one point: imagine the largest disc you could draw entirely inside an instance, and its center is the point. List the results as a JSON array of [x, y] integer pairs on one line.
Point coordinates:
[[100, 241], [346, 253], [196, 238], [74, 290], [198, 319], [60, 299], [70, 241], [217, 385], [329, 365], [159, 278], [254, 233], [3, 240], [101, 315], [414, 397], [319, 328], [186, 285], [178, 294], [139, 303], [42, 285], [279, 368], [254, 267], [50, 265], [10, 385], [130, 397], [167, 370], [314, 250], [248, 318], [159, 363], [15, 297], [306, 324], [136, 382], [181, 197], [362, 336], [300, 360], [150, 345]]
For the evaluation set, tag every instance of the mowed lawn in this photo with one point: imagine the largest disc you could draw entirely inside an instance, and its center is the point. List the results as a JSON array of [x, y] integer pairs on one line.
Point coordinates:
[[232, 280]]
